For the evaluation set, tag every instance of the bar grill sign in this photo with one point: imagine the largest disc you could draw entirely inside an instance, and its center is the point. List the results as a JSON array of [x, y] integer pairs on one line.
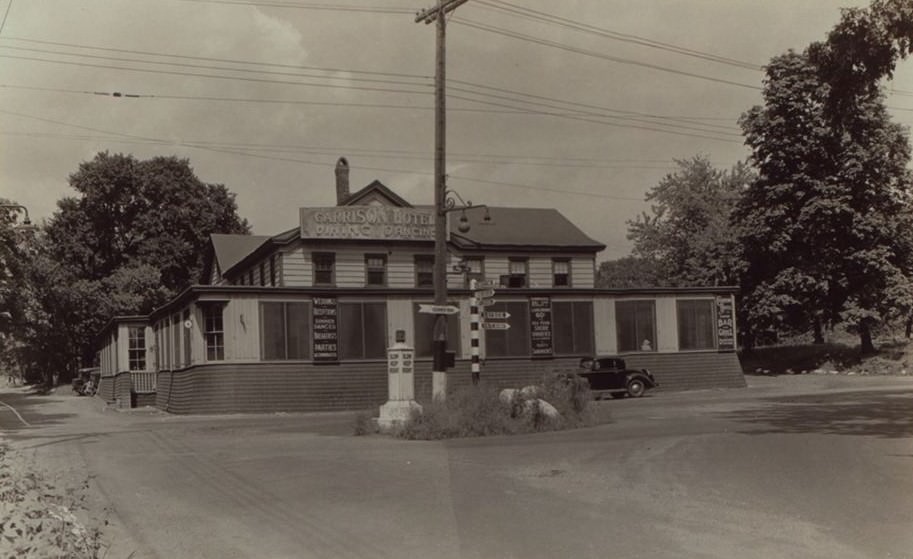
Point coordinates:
[[326, 347], [540, 322], [725, 324]]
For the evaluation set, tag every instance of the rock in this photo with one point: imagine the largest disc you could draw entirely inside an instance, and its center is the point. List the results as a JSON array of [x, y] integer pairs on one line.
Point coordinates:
[[508, 395], [545, 408], [530, 392]]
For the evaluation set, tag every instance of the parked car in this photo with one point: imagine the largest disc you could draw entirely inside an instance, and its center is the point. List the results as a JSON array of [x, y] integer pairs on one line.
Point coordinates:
[[610, 375]]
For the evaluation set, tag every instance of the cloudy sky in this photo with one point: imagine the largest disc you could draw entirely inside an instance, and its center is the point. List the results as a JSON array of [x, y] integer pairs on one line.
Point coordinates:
[[579, 105]]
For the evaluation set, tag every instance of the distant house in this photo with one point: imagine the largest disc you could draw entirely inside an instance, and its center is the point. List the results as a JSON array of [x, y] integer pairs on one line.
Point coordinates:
[[300, 321]]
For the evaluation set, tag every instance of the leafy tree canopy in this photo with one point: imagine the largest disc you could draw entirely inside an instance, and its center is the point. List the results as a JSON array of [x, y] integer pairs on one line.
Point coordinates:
[[688, 237], [825, 227], [131, 212], [133, 236]]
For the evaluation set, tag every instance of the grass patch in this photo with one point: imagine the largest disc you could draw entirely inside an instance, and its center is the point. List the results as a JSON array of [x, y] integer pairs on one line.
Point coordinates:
[[478, 411], [891, 358]]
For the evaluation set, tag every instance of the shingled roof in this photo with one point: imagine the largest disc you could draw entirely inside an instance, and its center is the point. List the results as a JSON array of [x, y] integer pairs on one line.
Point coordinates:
[[513, 228], [231, 249]]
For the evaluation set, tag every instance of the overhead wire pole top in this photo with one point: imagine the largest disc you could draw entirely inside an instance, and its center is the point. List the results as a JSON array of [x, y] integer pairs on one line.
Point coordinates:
[[429, 15]]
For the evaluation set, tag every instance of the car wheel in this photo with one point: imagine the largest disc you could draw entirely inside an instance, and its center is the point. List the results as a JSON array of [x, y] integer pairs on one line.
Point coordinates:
[[636, 388]]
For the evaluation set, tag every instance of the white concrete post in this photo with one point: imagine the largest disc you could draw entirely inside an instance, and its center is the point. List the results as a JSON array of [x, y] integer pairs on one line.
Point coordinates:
[[400, 384]]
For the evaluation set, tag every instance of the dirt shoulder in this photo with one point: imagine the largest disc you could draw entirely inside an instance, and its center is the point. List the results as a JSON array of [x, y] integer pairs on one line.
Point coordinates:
[[49, 502]]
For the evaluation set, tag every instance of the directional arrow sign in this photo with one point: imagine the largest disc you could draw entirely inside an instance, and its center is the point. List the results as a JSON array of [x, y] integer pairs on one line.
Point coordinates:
[[486, 284], [486, 302], [438, 309], [495, 326], [497, 315], [483, 293]]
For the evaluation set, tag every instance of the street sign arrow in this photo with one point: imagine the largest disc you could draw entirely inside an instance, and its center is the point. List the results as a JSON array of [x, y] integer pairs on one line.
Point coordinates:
[[438, 309], [486, 302], [496, 326], [497, 315], [483, 293], [486, 284]]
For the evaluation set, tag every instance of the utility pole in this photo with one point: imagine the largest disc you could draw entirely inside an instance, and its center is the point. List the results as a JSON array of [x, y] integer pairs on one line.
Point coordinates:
[[439, 343]]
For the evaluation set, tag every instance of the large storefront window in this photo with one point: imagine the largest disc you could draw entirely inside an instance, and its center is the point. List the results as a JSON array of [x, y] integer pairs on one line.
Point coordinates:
[[213, 331], [636, 325], [514, 342], [285, 330], [572, 327], [362, 330], [695, 324], [424, 330], [137, 350]]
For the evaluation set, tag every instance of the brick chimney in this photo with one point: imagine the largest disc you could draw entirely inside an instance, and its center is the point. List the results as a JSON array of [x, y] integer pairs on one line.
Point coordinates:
[[342, 181]]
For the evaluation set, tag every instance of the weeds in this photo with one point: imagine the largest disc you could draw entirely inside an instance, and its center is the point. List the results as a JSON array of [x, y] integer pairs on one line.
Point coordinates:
[[476, 411], [39, 521]]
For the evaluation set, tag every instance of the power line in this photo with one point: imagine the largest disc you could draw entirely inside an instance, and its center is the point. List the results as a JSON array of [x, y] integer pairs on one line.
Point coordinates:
[[594, 54], [481, 159], [213, 76], [544, 17], [309, 6], [222, 60], [305, 161], [212, 67], [5, 14]]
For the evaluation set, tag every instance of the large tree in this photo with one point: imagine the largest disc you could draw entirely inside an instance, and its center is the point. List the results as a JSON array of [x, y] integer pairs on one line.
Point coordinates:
[[688, 237], [133, 236], [825, 227], [132, 212]]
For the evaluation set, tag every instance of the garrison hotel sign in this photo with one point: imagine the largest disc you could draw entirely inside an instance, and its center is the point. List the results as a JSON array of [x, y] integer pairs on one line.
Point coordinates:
[[367, 222]]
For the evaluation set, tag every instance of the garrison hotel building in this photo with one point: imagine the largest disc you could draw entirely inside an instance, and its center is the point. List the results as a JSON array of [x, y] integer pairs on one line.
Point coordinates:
[[300, 321]]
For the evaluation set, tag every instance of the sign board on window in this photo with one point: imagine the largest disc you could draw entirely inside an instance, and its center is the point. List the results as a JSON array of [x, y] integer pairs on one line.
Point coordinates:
[[540, 323], [725, 324], [325, 329]]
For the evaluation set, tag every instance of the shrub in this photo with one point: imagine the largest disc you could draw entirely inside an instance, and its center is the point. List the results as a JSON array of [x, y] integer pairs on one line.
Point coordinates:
[[475, 411], [364, 424]]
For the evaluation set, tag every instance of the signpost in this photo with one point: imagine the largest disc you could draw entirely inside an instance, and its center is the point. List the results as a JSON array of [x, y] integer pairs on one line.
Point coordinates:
[[497, 315], [485, 293], [438, 309], [495, 326]]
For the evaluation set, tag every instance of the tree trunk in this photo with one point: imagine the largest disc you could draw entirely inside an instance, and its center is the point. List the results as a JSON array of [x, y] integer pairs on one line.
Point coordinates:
[[865, 339], [819, 331], [909, 326]]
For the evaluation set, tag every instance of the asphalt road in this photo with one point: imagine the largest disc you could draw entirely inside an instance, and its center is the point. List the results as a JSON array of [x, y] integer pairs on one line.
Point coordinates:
[[803, 467]]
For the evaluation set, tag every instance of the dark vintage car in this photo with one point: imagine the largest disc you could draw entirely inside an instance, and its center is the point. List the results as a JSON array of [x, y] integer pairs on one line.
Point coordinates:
[[610, 375]]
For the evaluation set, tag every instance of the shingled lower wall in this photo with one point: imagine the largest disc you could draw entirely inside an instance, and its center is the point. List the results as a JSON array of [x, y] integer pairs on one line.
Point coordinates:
[[304, 387], [691, 371]]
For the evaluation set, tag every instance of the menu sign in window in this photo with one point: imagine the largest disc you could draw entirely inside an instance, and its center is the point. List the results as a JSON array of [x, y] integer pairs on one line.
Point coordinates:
[[325, 331], [725, 324], [540, 326]]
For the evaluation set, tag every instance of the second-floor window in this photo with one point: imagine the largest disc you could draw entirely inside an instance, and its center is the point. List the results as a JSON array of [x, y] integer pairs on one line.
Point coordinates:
[[424, 271], [561, 272], [517, 272], [324, 265], [375, 269]]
